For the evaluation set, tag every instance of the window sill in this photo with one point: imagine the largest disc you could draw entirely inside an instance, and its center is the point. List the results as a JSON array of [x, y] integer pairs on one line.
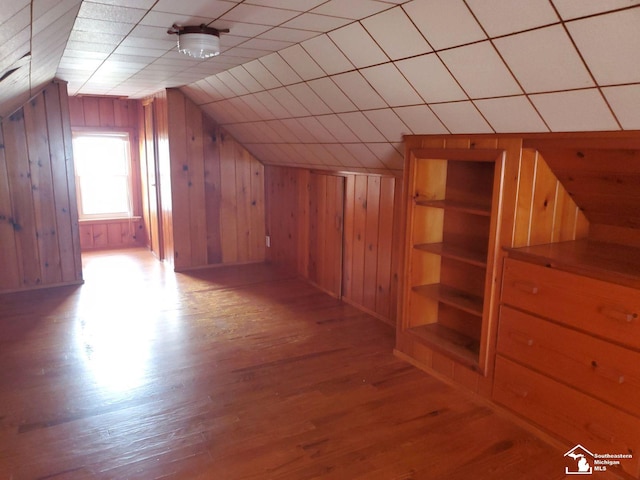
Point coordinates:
[[95, 221]]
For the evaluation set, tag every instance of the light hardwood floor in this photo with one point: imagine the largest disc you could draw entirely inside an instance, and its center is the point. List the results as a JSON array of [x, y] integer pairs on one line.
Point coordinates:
[[229, 373]]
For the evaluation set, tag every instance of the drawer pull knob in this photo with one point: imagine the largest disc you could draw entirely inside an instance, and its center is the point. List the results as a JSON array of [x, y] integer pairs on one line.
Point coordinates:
[[528, 287], [608, 372], [601, 432], [618, 314]]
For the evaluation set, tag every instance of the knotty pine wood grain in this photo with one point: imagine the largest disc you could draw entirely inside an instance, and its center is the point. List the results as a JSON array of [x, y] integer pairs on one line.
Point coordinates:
[[237, 373]]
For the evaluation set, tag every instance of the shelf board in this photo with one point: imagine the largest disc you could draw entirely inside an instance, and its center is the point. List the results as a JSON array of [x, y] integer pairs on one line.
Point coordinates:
[[454, 252], [457, 206], [452, 296], [450, 342]]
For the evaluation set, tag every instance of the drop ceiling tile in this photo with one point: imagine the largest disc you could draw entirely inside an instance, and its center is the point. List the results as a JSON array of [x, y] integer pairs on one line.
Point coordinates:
[[138, 42], [195, 93], [577, 110], [480, 71], [391, 85], [245, 78], [240, 52], [396, 34], [609, 45], [316, 129], [309, 99], [219, 86], [286, 134], [299, 5], [280, 69], [261, 112], [335, 99], [244, 110], [359, 91], [101, 26], [327, 55], [298, 130], [362, 127], [239, 29], [146, 4], [265, 44], [431, 79], [161, 19], [341, 154], [301, 62], [262, 74], [388, 123], [625, 102], [135, 51], [231, 82], [111, 13], [274, 107], [11, 8], [421, 120], [461, 117], [536, 58], [388, 155], [444, 24], [501, 17], [258, 14], [289, 102], [358, 46], [292, 35], [511, 115], [197, 8], [96, 37], [570, 9], [315, 23], [338, 128], [353, 9], [364, 156]]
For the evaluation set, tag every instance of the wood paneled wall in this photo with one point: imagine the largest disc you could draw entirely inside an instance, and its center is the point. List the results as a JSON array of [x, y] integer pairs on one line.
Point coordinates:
[[371, 233], [112, 114], [212, 189], [39, 235]]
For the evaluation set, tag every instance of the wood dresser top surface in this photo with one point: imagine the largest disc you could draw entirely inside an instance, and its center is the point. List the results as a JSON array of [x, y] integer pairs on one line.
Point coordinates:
[[605, 261]]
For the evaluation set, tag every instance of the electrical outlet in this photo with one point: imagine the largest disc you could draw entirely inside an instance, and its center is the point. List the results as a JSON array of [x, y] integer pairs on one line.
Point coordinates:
[[268, 240]]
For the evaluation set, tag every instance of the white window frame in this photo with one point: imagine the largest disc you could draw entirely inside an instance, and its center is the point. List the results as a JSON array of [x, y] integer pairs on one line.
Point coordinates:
[[129, 213]]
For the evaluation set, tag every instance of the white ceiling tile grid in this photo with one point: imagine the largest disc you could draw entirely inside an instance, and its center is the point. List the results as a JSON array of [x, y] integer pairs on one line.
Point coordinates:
[[337, 82]]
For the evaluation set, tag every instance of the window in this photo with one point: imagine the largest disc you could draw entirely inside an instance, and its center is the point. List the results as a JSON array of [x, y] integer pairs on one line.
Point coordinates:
[[103, 181]]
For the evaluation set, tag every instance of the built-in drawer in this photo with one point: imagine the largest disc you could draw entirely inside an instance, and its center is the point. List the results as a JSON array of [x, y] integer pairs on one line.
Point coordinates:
[[572, 415], [604, 309], [604, 370]]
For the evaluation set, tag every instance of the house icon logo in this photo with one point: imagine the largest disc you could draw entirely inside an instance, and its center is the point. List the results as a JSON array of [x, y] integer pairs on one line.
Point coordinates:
[[582, 463]]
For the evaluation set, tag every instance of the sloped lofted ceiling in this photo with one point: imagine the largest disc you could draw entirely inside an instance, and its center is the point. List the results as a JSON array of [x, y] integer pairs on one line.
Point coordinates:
[[336, 83]]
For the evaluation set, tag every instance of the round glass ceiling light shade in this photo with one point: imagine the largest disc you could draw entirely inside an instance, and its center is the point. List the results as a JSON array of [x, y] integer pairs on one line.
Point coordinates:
[[199, 44]]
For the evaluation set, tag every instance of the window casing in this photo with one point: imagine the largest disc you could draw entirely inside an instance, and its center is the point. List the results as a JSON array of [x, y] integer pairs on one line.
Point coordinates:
[[103, 175]]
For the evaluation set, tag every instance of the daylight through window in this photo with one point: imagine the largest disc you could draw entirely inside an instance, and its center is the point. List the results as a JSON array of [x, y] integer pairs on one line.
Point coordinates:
[[102, 165]]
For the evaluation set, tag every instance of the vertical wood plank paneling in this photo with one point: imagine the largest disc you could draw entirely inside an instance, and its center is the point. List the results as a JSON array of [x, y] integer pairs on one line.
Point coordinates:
[[358, 242], [303, 220], [370, 282], [76, 111], [349, 218], [385, 247], [64, 218], [524, 200], [543, 205], [106, 112], [42, 190], [257, 212], [91, 109], [22, 200], [195, 184], [228, 207], [10, 278], [242, 200], [212, 189]]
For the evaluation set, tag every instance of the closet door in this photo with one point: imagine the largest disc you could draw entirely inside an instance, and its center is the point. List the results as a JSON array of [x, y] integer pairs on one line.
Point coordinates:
[[326, 219]]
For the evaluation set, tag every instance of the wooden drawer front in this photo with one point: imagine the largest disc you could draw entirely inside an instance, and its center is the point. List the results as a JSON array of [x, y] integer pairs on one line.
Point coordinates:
[[602, 308], [599, 368], [567, 413]]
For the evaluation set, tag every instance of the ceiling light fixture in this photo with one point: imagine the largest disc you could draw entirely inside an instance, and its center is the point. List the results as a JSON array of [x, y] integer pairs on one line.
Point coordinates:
[[197, 41]]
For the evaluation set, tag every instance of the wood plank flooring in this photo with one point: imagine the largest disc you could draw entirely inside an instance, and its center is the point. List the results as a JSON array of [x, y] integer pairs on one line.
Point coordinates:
[[230, 373]]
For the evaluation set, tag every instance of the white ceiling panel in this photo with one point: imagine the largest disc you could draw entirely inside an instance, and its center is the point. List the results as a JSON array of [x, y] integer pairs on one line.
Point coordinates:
[[420, 120], [501, 17], [340, 131], [353, 9], [431, 79], [262, 74], [609, 44], [388, 123], [301, 62], [391, 85], [570, 9], [362, 127], [329, 92], [396, 34], [625, 102], [309, 99], [280, 69], [536, 57], [289, 102], [246, 79], [258, 14], [359, 91], [578, 110], [461, 117], [511, 115], [444, 24], [315, 23], [480, 71], [315, 128], [327, 55], [354, 41], [388, 155], [268, 100]]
